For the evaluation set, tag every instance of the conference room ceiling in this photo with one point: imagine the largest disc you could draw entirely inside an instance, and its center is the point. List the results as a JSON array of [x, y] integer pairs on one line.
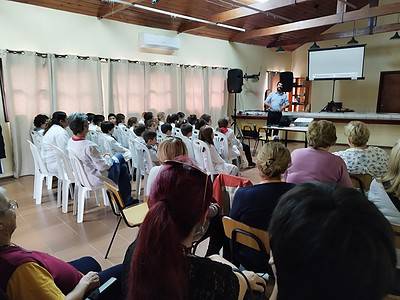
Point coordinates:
[[212, 10]]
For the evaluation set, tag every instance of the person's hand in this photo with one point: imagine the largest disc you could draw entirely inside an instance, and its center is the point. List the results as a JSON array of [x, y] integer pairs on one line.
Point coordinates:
[[256, 282], [89, 281]]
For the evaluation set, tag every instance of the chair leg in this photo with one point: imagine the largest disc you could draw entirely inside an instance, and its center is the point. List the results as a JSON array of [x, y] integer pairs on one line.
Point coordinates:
[[81, 205], [35, 178], [105, 197], [113, 237], [97, 199], [65, 193], [76, 196], [138, 179], [49, 181], [255, 147], [60, 185], [39, 189]]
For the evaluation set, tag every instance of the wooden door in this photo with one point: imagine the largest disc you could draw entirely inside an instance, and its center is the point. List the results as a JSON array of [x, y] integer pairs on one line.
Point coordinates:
[[389, 93]]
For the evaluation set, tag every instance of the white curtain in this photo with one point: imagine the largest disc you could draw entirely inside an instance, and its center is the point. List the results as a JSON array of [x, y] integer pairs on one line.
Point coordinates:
[[27, 90], [76, 83], [194, 93], [217, 105], [127, 81]]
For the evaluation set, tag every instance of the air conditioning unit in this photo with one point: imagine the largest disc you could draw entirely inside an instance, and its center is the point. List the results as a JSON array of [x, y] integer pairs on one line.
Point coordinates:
[[158, 42]]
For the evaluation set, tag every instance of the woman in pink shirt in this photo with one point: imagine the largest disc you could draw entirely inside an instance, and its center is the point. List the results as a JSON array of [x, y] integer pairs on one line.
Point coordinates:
[[316, 163]]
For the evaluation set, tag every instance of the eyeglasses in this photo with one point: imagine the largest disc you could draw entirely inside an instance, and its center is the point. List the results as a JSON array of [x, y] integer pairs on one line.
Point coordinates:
[[12, 204]]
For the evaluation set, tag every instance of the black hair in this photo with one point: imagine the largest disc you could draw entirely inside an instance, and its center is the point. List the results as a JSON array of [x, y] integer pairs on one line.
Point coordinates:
[[180, 123], [120, 118], [148, 115], [186, 129], [90, 117], [39, 120], [149, 135], [139, 130], [166, 127], [149, 122], [192, 119], [324, 235], [56, 119], [97, 119], [180, 115], [200, 123], [223, 123], [107, 126], [77, 122], [205, 135], [111, 115], [206, 118], [132, 121], [171, 119]]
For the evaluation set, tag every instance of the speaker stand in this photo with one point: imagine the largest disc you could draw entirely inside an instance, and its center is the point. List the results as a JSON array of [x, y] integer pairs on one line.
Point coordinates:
[[236, 128]]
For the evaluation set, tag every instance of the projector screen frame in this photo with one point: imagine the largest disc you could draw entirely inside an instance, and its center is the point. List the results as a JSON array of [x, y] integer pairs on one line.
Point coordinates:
[[335, 48]]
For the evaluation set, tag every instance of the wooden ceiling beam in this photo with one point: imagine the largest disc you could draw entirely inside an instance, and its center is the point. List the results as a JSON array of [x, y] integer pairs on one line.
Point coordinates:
[[241, 12], [355, 15], [340, 35], [110, 9]]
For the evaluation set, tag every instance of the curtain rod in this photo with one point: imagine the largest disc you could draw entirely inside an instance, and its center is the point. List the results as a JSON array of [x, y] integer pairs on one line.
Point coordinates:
[[115, 60]]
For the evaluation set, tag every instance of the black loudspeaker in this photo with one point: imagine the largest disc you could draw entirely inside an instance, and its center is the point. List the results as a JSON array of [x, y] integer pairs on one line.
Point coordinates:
[[286, 78], [235, 80]]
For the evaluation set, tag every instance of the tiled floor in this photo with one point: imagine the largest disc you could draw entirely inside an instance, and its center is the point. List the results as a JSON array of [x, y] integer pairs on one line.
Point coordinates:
[[45, 228]]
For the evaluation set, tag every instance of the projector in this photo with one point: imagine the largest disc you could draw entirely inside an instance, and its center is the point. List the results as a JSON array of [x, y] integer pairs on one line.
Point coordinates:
[[154, 1]]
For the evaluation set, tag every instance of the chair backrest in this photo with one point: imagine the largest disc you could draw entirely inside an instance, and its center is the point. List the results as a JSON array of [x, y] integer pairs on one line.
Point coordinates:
[[79, 171], [361, 181], [93, 136], [202, 156], [65, 171], [37, 159], [144, 161], [104, 144], [177, 132], [241, 233], [132, 149], [221, 145], [132, 215], [189, 146], [36, 139], [160, 136], [196, 133]]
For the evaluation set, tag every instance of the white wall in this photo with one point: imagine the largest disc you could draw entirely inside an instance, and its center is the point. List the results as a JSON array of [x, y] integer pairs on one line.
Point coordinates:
[[34, 28]]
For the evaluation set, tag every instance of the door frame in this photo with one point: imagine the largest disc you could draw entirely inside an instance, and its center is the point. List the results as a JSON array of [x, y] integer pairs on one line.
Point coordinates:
[[383, 73]]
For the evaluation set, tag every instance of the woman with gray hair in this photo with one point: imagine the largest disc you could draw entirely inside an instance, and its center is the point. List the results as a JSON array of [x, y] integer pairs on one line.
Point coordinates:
[[95, 165], [361, 158], [316, 163]]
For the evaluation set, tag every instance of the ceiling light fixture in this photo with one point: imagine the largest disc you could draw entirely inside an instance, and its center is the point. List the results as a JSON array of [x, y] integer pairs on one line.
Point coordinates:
[[314, 46], [353, 41], [396, 36], [176, 15], [280, 49]]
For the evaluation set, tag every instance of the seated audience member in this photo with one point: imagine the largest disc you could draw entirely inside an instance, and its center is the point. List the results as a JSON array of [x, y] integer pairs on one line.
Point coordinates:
[[97, 120], [166, 129], [360, 158], [139, 130], [120, 120], [150, 138], [254, 205], [172, 119], [151, 125], [316, 163], [200, 124], [234, 144], [54, 134], [90, 117], [39, 123], [147, 116], [112, 118], [181, 116], [95, 165], [27, 274], [159, 263], [119, 133], [132, 123], [328, 242], [187, 130], [206, 118], [169, 149], [180, 123], [192, 119], [385, 194], [220, 166], [108, 129], [161, 117]]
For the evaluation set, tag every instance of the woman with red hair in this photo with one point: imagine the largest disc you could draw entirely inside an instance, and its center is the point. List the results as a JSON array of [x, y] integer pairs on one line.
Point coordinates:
[[159, 261]]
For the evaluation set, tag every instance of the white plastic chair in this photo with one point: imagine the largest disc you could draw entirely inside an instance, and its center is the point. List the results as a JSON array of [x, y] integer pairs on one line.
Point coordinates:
[[189, 146], [221, 144], [66, 177], [178, 132], [195, 135], [93, 136], [104, 145], [203, 157], [84, 187], [144, 164], [41, 173], [36, 139]]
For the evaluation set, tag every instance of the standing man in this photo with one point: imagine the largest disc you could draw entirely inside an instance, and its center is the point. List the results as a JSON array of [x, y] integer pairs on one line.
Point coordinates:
[[275, 103]]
